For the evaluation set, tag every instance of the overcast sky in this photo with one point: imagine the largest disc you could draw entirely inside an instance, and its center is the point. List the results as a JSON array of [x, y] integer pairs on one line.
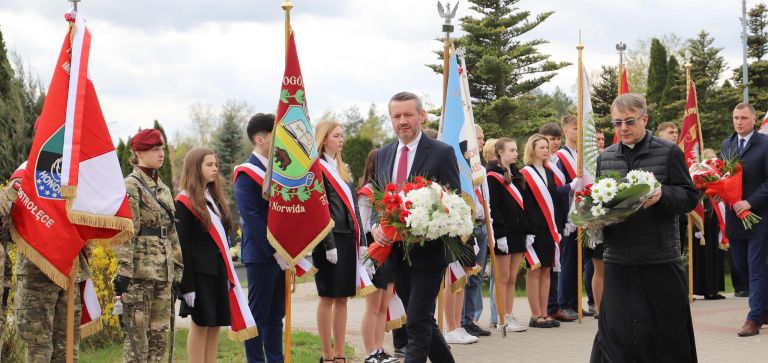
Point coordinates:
[[153, 59]]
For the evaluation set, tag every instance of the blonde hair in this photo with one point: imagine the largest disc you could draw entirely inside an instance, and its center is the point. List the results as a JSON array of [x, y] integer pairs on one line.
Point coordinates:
[[321, 132], [708, 154], [192, 182], [529, 146], [489, 150]]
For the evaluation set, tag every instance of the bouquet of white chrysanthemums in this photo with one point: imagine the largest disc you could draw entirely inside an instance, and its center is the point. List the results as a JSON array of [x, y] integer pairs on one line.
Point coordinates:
[[610, 201]]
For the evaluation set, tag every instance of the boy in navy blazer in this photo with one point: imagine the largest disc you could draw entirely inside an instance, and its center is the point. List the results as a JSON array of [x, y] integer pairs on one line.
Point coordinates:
[[265, 268], [750, 245]]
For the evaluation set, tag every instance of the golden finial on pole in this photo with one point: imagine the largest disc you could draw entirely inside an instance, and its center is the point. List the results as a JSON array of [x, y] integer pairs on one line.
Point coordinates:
[[74, 4], [287, 7]]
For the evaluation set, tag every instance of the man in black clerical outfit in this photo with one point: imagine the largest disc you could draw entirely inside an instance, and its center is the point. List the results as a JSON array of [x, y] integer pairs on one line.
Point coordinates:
[[645, 315], [417, 282]]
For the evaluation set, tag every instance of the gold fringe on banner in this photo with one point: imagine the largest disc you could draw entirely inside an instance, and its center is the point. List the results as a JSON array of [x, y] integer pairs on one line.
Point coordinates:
[[41, 262], [242, 335], [305, 277], [90, 328], [459, 284], [290, 259], [395, 324], [124, 225], [365, 291], [473, 271]]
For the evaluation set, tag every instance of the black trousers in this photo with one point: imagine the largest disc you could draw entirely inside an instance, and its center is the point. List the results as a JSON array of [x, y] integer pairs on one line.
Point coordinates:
[[418, 288]]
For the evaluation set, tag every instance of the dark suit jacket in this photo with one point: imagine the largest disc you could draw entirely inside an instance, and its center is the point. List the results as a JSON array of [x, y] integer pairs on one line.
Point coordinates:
[[436, 161], [200, 253], [754, 161], [253, 210]]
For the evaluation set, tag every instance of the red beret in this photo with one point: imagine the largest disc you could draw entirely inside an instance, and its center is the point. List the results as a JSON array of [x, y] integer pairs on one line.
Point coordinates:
[[146, 139]]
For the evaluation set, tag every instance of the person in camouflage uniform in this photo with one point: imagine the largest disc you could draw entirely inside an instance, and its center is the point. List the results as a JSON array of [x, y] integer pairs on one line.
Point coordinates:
[[150, 264], [41, 305], [7, 196]]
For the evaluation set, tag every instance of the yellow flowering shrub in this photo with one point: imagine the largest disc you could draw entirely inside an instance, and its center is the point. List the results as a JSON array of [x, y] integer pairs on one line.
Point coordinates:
[[103, 263]]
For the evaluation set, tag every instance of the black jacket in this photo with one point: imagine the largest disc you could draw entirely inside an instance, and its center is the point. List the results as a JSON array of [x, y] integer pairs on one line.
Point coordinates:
[[535, 222], [342, 220], [754, 160], [508, 217], [652, 235], [200, 252]]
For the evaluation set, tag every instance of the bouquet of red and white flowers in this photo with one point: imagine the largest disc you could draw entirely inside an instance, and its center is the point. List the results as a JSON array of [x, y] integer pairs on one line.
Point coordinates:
[[721, 180], [421, 211]]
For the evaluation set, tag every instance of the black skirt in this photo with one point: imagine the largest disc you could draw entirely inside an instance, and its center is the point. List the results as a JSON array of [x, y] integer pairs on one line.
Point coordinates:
[[515, 242], [645, 315], [211, 301], [708, 265], [544, 246], [385, 274], [337, 280]]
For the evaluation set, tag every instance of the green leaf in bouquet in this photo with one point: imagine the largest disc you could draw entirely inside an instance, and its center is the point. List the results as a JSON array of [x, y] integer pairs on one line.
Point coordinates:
[[627, 197]]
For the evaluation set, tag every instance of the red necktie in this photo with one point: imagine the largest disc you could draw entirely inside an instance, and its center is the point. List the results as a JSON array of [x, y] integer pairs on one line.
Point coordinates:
[[402, 167]]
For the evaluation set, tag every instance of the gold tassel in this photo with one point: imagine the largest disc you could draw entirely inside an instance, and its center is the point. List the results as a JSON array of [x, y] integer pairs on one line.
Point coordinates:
[[91, 327], [459, 284], [41, 262], [286, 256], [305, 277], [365, 291], [242, 335]]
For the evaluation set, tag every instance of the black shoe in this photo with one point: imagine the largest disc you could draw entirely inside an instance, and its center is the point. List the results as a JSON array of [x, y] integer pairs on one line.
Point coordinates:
[[400, 352], [741, 294], [475, 330], [373, 358], [714, 297], [384, 357]]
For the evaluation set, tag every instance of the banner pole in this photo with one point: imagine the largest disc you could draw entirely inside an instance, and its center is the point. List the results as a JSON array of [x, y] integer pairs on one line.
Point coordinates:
[[287, 6], [71, 312], [500, 303], [579, 172], [288, 316]]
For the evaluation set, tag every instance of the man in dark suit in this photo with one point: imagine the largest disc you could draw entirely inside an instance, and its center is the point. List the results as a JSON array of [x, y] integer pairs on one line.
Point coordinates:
[[265, 268], [417, 282], [750, 245]]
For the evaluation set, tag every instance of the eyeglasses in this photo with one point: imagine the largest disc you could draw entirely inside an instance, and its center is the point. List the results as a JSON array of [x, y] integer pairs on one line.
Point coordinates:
[[618, 123]]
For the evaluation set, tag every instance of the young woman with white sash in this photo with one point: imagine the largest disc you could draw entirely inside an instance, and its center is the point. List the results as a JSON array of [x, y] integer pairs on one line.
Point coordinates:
[[507, 212], [539, 190], [211, 289], [337, 257]]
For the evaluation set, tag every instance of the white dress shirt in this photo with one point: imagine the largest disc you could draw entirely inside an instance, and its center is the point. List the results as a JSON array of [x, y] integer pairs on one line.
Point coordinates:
[[745, 138], [263, 159], [411, 155]]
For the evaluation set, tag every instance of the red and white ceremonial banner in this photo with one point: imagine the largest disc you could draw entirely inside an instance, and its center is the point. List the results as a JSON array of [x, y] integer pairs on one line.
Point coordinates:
[[294, 181], [243, 325], [691, 143], [72, 190], [763, 129], [395, 313], [719, 209], [457, 277], [544, 200], [623, 88]]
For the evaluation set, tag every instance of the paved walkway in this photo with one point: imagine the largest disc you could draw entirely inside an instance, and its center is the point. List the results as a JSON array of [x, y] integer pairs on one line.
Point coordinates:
[[715, 324]]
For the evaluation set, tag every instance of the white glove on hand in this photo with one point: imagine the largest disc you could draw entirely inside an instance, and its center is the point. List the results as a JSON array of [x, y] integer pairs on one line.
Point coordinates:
[[529, 239], [697, 235], [577, 184], [332, 256], [569, 229], [501, 244], [189, 298], [280, 261], [477, 249], [363, 252]]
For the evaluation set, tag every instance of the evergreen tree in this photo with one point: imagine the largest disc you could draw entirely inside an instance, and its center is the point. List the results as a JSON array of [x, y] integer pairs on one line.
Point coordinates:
[[227, 142], [503, 60], [657, 72], [672, 105], [706, 64], [716, 114], [374, 127], [757, 39], [353, 120], [604, 91], [15, 137], [120, 151], [354, 153], [758, 82], [166, 175]]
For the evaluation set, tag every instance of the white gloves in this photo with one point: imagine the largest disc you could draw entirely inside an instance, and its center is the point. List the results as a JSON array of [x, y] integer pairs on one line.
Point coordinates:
[[577, 184], [529, 239], [569, 228], [501, 244], [189, 298], [363, 251], [477, 249], [697, 235], [332, 256], [280, 261]]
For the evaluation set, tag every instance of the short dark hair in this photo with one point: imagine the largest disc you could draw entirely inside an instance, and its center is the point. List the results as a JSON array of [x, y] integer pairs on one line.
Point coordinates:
[[599, 131], [407, 96], [260, 122], [666, 125], [748, 105], [551, 129]]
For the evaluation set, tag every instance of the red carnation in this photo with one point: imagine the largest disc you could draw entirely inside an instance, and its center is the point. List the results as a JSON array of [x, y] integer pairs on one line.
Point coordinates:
[[391, 187]]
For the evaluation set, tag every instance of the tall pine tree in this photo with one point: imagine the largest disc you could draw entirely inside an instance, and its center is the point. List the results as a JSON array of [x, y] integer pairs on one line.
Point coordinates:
[[227, 143], [604, 91], [166, 175], [14, 125], [757, 39], [657, 72], [672, 104], [706, 64], [503, 60]]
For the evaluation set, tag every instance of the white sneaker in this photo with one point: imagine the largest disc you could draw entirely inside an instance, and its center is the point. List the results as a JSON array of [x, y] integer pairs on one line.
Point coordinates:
[[456, 337], [465, 334], [514, 325]]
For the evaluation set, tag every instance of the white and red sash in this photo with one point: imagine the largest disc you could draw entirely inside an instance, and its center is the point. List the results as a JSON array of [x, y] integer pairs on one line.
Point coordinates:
[[304, 269], [511, 188], [363, 281], [544, 200], [256, 173], [457, 277], [365, 203], [720, 212], [568, 161], [559, 176], [243, 326], [395, 313]]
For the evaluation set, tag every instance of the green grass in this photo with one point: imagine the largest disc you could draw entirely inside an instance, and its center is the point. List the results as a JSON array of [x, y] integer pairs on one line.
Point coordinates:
[[305, 348]]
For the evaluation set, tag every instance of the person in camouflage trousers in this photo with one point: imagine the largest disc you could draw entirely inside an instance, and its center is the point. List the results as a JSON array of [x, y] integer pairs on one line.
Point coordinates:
[[7, 196], [150, 264]]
